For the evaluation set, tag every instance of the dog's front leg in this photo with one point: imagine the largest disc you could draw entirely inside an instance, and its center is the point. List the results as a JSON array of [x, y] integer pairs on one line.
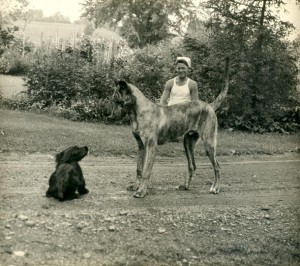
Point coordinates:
[[52, 190], [140, 163], [148, 160]]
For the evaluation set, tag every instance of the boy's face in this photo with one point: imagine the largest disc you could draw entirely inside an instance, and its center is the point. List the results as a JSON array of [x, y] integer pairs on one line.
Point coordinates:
[[182, 70]]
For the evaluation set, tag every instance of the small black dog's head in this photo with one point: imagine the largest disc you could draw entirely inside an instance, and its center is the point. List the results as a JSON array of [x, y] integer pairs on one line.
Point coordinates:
[[71, 154]]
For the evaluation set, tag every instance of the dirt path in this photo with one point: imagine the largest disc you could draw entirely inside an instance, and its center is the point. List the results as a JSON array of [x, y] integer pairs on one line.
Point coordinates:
[[253, 221]]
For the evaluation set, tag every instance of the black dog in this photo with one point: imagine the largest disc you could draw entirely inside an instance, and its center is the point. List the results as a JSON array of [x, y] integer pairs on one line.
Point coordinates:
[[67, 177]]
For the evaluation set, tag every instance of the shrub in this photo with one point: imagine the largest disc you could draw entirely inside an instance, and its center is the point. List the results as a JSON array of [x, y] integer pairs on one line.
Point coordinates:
[[284, 120], [7, 38], [262, 87], [61, 77], [12, 63], [150, 67], [77, 82], [73, 81], [20, 102], [14, 56]]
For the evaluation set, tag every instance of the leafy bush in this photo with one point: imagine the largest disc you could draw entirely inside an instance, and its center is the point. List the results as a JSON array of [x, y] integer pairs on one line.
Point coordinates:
[[150, 67], [13, 60], [7, 37], [262, 87], [59, 77], [20, 102], [284, 120], [75, 82], [78, 82]]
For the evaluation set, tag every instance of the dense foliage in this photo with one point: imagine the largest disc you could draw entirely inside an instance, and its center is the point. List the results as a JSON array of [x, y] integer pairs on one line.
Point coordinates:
[[263, 70], [13, 52], [37, 15], [12, 48], [72, 82], [77, 81]]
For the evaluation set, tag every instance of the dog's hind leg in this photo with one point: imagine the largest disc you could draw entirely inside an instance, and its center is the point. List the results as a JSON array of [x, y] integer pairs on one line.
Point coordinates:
[[190, 140], [81, 188], [211, 153], [209, 137]]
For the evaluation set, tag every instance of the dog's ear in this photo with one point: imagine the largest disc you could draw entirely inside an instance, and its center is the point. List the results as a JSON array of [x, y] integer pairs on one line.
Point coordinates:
[[124, 87]]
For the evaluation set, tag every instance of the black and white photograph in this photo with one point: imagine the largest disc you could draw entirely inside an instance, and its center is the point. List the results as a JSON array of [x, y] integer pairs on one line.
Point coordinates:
[[149, 132]]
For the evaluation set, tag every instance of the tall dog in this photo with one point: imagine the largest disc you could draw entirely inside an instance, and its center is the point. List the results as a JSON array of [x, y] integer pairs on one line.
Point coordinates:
[[153, 124], [67, 177]]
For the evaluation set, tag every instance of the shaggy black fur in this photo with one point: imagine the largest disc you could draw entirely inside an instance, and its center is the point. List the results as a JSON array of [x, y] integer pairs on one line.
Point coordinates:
[[67, 177]]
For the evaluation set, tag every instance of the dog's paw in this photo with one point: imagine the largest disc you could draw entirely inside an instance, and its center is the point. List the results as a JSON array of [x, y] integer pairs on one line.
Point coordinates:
[[132, 188], [183, 187], [214, 190], [83, 191], [71, 196], [139, 194]]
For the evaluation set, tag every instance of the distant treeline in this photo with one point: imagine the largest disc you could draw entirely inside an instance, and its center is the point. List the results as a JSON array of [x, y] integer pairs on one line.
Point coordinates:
[[37, 15]]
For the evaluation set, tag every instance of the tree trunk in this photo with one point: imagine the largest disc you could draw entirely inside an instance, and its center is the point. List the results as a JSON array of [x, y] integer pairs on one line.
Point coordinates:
[[258, 53]]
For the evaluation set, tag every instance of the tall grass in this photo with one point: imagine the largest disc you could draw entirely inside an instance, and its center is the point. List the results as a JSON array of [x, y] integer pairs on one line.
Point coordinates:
[[26, 132]]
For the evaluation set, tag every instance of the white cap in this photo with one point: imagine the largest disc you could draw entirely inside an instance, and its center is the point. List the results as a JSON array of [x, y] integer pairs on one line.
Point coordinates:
[[186, 59]]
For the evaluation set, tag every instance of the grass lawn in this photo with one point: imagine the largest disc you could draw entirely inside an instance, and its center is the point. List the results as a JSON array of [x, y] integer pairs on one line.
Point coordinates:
[[11, 85], [26, 132]]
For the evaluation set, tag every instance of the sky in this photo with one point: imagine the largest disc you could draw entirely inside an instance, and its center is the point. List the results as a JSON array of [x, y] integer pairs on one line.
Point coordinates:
[[68, 8], [72, 9]]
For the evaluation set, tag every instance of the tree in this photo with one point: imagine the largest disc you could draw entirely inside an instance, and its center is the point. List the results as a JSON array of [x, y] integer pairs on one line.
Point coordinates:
[[37, 14], [89, 29], [11, 10], [57, 18], [141, 22], [263, 69]]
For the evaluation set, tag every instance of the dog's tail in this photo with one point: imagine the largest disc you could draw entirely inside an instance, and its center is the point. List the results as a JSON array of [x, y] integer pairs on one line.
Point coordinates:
[[218, 101]]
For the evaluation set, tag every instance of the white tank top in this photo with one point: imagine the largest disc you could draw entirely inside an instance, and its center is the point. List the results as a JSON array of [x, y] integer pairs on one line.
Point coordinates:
[[180, 94]]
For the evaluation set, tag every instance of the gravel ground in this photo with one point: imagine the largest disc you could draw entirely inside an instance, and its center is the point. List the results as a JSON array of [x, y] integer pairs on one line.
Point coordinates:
[[253, 221]]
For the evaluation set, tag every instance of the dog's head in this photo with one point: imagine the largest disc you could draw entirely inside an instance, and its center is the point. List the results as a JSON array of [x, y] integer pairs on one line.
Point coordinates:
[[122, 98], [72, 154]]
